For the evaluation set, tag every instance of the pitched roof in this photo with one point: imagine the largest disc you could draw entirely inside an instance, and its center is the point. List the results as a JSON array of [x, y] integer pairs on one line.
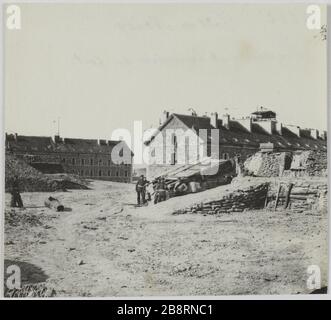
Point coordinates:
[[27, 144], [30, 143], [194, 122], [239, 136]]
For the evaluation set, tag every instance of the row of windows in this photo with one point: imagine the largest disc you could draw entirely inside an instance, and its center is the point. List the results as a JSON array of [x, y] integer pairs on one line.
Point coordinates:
[[225, 156], [83, 162], [101, 173]]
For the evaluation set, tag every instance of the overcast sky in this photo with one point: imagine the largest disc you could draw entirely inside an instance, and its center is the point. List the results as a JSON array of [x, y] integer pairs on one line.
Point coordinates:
[[100, 67]]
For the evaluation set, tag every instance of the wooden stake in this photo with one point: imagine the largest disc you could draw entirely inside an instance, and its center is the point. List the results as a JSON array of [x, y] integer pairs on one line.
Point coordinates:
[[277, 198], [288, 194], [266, 197]]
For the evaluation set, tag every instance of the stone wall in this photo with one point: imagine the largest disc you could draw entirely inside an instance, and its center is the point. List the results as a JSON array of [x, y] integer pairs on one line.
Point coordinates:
[[266, 164], [252, 197], [277, 164], [305, 195], [315, 163]]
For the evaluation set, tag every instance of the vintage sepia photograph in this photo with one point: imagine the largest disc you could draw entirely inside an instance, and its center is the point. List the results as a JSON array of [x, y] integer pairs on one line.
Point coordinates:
[[164, 150]]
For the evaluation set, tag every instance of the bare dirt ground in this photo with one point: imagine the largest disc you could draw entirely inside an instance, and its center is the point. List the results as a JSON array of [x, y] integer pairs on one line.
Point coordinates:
[[103, 246]]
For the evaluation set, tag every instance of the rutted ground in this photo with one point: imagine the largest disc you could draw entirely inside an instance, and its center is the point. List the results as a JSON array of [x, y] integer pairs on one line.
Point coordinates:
[[103, 246]]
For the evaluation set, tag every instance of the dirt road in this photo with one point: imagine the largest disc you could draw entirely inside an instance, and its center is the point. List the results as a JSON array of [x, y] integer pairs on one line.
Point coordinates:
[[103, 246]]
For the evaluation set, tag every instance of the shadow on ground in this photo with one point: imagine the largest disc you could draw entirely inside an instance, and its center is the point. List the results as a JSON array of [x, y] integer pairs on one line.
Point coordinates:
[[30, 273]]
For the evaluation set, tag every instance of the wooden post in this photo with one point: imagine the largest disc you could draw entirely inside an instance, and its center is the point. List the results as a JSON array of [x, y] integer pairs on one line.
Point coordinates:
[[288, 194], [277, 198], [266, 197]]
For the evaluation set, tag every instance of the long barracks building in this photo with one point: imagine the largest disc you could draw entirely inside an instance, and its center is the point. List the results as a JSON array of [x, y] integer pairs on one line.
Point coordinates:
[[236, 137], [84, 157]]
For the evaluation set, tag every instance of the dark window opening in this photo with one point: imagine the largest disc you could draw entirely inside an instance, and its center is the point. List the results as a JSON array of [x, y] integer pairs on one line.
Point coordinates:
[[187, 150], [174, 154]]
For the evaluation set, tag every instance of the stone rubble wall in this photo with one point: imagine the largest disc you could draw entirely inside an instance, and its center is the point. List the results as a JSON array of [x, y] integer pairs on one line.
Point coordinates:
[[305, 195], [265, 164], [316, 163], [277, 164], [236, 201]]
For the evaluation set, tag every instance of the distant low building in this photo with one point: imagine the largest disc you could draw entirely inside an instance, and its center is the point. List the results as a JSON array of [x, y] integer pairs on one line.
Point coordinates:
[[87, 158], [235, 138]]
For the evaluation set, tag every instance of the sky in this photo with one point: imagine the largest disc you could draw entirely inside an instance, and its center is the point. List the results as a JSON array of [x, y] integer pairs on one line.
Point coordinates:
[[99, 67]]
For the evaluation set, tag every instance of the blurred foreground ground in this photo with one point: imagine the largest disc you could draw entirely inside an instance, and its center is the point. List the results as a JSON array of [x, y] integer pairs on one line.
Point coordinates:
[[103, 246]]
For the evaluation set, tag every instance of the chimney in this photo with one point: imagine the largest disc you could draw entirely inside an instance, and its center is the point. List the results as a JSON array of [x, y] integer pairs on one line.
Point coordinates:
[[294, 129], [245, 123], [57, 139], [314, 133], [279, 128], [165, 116], [214, 119], [324, 135], [267, 125], [226, 121], [102, 142]]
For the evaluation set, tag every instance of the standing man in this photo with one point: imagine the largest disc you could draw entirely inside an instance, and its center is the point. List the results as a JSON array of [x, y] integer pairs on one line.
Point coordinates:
[[16, 200], [140, 189], [160, 191]]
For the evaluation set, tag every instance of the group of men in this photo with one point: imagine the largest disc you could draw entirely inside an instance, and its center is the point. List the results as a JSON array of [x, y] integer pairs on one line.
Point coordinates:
[[159, 188]]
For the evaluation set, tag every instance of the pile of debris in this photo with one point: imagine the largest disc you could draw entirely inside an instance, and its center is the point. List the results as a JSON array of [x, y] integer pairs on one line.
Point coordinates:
[[310, 163], [253, 197], [68, 181], [33, 290], [31, 180], [14, 219]]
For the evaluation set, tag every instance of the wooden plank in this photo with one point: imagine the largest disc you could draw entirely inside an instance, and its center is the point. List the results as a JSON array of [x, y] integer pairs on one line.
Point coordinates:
[[277, 198], [288, 194]]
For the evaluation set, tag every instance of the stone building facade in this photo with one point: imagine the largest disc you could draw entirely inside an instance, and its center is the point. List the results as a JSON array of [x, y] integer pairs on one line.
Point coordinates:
[[183, 139], [93, 159]]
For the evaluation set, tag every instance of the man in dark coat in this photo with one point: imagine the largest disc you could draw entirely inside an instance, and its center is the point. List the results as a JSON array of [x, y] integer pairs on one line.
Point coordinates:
[[16, 200], [160, 191], [140, 189]]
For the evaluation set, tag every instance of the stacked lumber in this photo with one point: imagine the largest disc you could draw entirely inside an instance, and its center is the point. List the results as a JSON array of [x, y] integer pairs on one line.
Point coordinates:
[[298, 196]]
